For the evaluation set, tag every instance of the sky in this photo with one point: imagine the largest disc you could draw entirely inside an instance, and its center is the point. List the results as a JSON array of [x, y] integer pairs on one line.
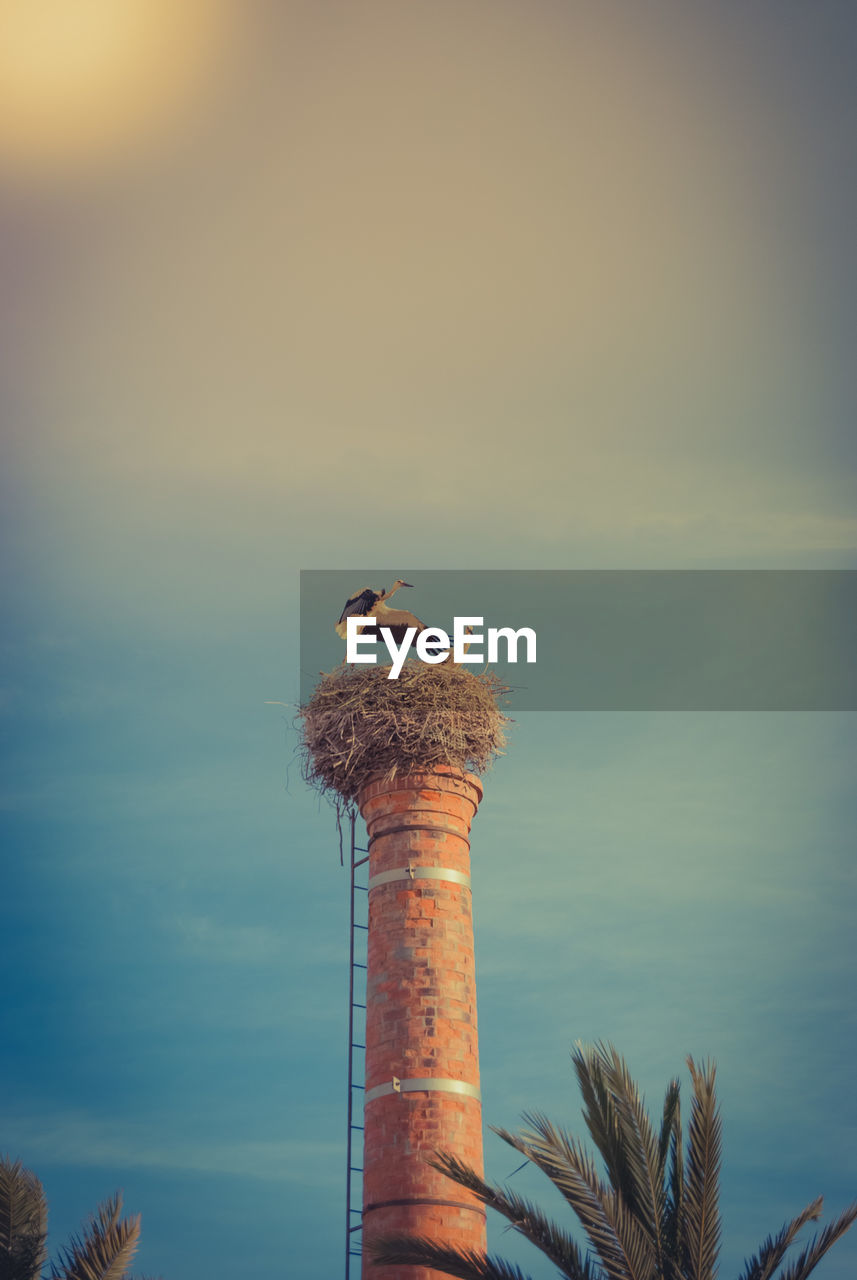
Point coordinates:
[[465, 285]]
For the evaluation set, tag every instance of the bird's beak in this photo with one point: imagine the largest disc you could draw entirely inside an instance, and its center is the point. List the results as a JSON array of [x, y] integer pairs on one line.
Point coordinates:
[[405, 584]]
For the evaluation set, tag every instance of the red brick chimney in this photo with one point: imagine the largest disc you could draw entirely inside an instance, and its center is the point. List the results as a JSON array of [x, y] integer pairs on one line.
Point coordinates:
[[422, 1058]]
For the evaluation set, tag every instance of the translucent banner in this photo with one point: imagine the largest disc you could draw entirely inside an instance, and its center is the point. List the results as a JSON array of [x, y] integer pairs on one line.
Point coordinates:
[[610, 640]]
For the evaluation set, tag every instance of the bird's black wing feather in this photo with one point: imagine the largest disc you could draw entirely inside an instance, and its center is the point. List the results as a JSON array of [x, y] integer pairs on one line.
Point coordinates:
[[361, 604]]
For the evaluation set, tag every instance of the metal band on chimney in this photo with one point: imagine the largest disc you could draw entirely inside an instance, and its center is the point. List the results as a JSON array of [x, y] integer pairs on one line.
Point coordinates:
[[431, 1200], [424, 1084], [420, 873], [434, 828]]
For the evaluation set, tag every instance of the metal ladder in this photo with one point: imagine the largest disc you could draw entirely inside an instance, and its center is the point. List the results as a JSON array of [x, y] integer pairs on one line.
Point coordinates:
[[356, 1046]]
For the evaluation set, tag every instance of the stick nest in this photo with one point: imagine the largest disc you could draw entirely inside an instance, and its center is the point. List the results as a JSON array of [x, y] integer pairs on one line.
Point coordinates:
[[358, 723]]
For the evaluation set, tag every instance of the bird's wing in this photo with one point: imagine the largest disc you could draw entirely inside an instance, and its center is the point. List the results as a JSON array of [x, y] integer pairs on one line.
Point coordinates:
[[361, 604]]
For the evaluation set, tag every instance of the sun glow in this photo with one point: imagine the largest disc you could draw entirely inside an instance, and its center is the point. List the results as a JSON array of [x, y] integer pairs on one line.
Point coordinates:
[[84, 79]]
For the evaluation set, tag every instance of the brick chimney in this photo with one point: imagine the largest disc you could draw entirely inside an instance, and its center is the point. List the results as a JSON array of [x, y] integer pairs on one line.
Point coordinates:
[[422, 1058]]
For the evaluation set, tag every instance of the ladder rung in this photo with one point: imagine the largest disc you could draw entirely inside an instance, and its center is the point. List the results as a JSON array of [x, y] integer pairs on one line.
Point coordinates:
[[362, 860], [355, 1253], [359, 966], [358, 1046], [355, 1005], [358, 1086], [353, 1169], [363, 887], [359, 1226], [357, 1126], [361, 926]]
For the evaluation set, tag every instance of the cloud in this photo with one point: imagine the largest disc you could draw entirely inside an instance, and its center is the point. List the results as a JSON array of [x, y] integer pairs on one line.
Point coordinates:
[[607, 335], [78, 1138], [229, 943]]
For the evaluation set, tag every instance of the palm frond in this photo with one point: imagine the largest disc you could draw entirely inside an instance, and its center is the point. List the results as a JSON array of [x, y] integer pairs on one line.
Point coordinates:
[[771, 1253], [104, 1250], [809, 1259], [670, 1116], [23, 1222], [573, 1173], [702, 1174], [524, 1216], [643, 1182], [615, 1236], [674, 1211], [599, 1111], [417, 1251]]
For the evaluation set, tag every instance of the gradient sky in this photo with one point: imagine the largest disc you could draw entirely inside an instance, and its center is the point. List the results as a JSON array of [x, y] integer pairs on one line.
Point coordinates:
[[494, 285]]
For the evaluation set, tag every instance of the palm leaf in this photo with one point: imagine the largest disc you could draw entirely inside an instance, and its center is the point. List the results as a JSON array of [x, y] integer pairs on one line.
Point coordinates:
[[646, 1196], [618, 1240], [764, 1263], [599, 1113], [23, 1222], [104, 1250], [674, 1210], [810, 1257], [524, 1216], [671, 1114], [701, 1183], [417, 1251]]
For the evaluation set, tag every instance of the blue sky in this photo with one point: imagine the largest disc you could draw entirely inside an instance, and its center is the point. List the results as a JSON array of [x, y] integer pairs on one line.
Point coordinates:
[[459, 287]]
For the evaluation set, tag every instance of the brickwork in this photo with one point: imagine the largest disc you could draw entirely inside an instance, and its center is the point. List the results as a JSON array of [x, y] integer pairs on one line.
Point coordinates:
[[421, 1013]]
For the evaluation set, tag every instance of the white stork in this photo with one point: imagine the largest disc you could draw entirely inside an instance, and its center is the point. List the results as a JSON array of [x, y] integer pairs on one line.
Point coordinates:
[[372, 604]]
